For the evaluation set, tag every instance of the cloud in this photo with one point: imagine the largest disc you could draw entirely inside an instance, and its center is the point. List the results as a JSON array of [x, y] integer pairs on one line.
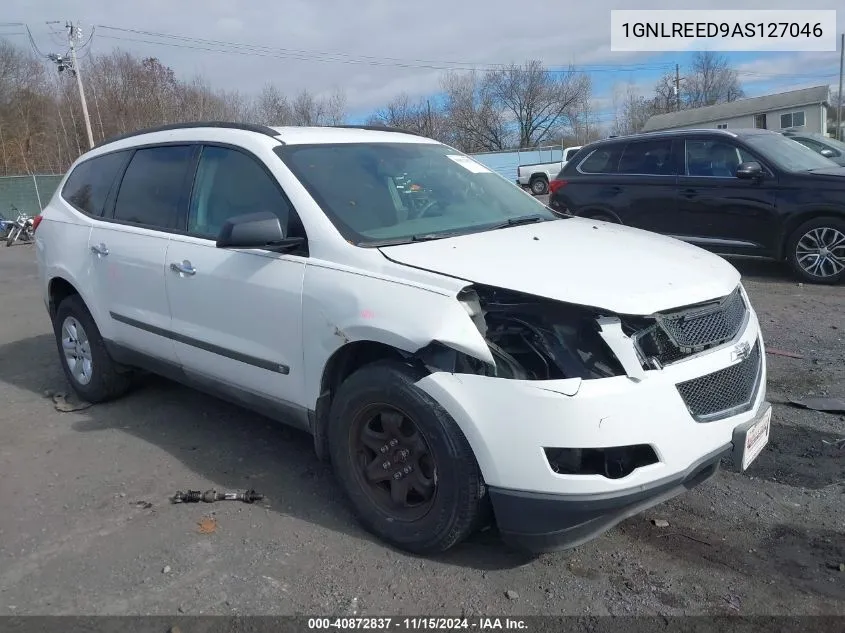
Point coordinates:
[[372, 48]]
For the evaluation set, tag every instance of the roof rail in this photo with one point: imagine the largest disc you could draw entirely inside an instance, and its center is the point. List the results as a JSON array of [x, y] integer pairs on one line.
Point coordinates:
[[248, 127], [377, 128]]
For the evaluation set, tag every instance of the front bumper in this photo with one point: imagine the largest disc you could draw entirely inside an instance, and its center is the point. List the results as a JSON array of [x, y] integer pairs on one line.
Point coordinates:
[[537, 522], [511, 423]]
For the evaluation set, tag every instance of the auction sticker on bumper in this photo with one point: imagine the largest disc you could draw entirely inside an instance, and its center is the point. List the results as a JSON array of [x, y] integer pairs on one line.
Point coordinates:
[[756, 438]]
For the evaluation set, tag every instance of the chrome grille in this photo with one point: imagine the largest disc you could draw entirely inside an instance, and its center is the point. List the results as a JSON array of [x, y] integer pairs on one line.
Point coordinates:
[[705, 326], [726, 392], [674, 336]]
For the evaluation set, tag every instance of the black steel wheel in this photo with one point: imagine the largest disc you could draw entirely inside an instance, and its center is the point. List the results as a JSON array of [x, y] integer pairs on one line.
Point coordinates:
[[404, 464]]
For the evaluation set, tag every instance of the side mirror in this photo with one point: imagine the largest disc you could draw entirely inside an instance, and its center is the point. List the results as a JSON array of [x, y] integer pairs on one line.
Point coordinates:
[[827, 153], [752, 170], [256, 230]]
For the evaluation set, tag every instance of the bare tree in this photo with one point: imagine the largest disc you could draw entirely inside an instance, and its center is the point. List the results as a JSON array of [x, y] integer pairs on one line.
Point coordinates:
[[632, 111], [537, 100], [420, 117], [476, 122], [310, 109], [709, 80]]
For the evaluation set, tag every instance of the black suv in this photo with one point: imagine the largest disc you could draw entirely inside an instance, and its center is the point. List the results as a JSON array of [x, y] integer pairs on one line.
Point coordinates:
[[739, 192]]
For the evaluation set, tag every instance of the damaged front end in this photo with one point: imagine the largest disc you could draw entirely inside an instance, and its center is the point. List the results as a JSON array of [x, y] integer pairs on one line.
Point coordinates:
[[530, 338]]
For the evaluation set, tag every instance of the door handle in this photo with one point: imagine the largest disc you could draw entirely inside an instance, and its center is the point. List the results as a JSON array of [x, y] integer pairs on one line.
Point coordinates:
[[184, 268], [100, 249], [616, 189], [689, 193]]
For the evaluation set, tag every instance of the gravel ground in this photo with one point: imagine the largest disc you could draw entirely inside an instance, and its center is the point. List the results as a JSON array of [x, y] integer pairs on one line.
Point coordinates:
[[78, 534]]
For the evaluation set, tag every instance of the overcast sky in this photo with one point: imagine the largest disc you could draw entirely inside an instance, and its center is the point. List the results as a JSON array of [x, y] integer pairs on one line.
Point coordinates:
[[374, 49]]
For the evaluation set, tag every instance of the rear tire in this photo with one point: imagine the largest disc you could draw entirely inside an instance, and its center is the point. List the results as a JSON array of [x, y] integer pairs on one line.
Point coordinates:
[[816, 251], [89, 368], [385, 432], [539, 185]]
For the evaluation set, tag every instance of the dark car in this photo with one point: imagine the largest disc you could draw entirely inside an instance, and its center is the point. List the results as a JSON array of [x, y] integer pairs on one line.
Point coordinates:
[[737, 193], [821, 144]]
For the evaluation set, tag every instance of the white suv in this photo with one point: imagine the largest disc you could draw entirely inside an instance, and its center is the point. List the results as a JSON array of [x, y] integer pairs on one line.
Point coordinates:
[[453, 346]]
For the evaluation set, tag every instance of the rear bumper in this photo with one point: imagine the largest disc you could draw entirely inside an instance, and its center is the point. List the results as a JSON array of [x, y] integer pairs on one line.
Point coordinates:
[[537, 522]]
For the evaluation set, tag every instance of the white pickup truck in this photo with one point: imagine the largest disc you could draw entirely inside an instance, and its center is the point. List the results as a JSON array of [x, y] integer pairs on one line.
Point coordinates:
[[537, 176]]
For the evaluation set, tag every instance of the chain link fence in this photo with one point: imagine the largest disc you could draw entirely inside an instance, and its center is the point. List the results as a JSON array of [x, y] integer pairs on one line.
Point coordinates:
[[27, 194]]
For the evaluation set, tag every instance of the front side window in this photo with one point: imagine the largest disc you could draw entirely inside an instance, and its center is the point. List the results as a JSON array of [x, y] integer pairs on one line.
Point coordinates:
[[787, 154], [88, 186], [376, 193], [647, 157], [153, 187], [714, 159], [230, 183]]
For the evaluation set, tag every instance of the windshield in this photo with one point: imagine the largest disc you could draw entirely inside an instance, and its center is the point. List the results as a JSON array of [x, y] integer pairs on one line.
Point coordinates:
[[377, 193], [788, 154]]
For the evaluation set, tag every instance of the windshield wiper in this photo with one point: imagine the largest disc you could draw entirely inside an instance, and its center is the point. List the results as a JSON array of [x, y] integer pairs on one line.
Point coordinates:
[[528, 219]]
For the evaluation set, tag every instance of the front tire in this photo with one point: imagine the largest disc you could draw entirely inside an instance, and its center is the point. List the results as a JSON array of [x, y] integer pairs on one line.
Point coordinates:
[[403, 462], [13, 236], [816, 251], [89, 368]]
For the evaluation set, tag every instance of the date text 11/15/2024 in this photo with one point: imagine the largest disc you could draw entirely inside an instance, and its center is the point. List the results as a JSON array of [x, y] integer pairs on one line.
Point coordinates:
[[417, 624]]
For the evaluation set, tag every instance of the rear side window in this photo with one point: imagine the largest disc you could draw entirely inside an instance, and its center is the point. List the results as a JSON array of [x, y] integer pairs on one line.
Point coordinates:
[[602, 160], [89, 184], [652, 158], [153, 188]]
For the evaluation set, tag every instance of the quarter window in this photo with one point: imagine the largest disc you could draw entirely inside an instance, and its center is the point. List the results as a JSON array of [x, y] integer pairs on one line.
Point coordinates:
[[792, 119], [648, 157], [88, 186], [153, 187], [602, 161], [230, 183]]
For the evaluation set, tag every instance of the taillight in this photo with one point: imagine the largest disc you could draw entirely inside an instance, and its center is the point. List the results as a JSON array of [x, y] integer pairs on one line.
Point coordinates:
[[554, 185], [35, 222]]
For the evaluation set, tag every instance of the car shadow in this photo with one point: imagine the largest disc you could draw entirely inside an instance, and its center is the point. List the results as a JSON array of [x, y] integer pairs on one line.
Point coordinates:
[[762, 270], [229, 446]]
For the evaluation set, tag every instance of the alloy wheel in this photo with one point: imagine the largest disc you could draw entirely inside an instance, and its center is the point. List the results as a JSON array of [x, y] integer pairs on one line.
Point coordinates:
[[77, 350], [821, 252]]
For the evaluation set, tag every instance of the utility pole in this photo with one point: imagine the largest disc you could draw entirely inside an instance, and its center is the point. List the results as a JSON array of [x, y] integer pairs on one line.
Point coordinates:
[[73, 35], [678, 87], [839, 96]]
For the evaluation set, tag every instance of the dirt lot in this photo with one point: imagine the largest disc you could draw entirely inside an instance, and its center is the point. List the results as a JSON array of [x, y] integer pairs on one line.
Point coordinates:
[[77, 537]]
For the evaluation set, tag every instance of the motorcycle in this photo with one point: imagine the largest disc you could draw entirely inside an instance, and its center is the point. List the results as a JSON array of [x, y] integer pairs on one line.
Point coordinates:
[[21, 229]]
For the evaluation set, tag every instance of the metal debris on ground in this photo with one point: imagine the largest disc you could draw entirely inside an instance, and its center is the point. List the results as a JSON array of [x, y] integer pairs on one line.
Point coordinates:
[[207, 525], [840, 443], [143, 505], [818, 403], [62, 403], [661, 523], [210, 496], [779, 352]]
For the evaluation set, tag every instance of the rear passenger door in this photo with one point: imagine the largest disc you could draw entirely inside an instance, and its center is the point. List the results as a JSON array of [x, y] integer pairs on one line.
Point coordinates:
[[647, 185], [237, 313], [127, 248]]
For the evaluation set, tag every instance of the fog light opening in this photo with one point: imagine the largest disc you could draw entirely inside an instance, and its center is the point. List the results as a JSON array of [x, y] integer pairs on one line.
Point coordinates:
[[614, 462]]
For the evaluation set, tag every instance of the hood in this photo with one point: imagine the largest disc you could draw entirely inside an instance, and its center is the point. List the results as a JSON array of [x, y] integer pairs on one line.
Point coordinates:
[[830, 173], [617, 268]]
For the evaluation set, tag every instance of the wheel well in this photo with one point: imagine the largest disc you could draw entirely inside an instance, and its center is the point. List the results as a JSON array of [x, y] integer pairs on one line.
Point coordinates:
[[59, 290], [538, 176], [343, 363], [792, 225], [593, 213]]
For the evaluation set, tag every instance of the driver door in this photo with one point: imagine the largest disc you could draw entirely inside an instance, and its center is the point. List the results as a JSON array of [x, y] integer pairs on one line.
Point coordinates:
[[236, 313]]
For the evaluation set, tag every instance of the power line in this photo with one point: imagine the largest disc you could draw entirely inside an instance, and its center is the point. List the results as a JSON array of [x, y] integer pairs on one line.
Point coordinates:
[[219, 46]]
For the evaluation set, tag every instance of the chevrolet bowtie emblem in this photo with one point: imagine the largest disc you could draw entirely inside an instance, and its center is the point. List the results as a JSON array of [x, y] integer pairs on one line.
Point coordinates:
[[740, 352]]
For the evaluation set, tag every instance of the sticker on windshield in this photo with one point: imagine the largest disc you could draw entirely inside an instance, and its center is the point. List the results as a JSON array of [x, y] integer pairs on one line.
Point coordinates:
[[468, 164]]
